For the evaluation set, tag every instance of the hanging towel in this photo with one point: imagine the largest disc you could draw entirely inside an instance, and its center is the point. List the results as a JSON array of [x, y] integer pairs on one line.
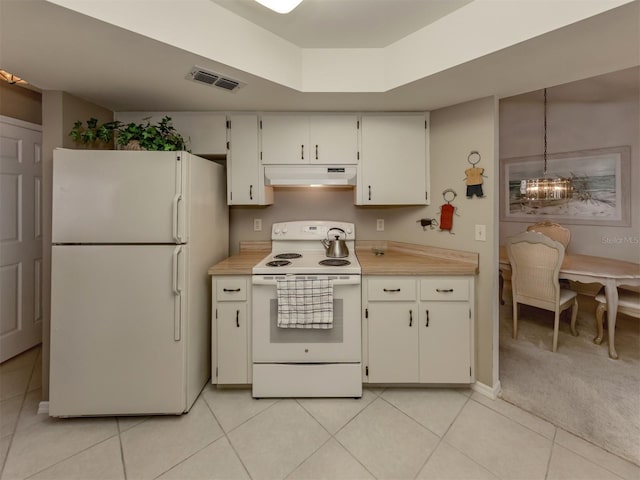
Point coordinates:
[[305, 303]]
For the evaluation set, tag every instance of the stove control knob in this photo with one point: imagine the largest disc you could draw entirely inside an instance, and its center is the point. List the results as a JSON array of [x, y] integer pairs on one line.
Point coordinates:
[[284, 229], [276, 230], [349, 230]]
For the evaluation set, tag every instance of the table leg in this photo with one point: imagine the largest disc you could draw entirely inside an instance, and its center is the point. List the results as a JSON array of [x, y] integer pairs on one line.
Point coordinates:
[[611, 292]]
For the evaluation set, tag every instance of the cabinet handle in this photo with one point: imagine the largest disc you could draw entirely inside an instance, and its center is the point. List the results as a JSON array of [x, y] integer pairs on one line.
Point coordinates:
[[427, 324], [410, 318], [238, 318], [369, 192], [230, 289], [302, 152], [250, 192], [316, 152], [444, 290], [391, 289]]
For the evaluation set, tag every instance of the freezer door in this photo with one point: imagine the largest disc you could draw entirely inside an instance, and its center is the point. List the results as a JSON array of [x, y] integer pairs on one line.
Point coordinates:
[[118, 328], [118, 196]]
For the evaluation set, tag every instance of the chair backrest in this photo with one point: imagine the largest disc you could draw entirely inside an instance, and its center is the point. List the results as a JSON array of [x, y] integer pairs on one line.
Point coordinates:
[[552, 230], [535, 262]]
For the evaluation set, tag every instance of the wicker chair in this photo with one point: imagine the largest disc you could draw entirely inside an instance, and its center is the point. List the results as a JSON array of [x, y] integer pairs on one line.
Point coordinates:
[[555, 231], [535, 262]]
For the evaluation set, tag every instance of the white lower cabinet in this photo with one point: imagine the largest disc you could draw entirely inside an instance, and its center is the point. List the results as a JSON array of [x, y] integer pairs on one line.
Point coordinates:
[[418, 329], [231, 354]]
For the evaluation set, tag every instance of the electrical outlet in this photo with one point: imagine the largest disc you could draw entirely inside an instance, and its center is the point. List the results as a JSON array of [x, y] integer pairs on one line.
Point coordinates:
[[380, 225], [257, 224], [481, 233]]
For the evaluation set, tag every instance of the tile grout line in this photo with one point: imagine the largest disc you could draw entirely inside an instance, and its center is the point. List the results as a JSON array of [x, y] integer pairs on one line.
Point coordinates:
[[441, 438], [333, 437], [124, 465], [553, 442], [24, 398], [224, 433]]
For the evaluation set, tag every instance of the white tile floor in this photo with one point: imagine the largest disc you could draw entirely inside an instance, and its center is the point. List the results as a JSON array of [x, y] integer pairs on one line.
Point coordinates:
[[390, 433]]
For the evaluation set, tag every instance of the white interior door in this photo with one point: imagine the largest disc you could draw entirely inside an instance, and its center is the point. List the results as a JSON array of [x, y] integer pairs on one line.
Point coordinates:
[[20, 237]]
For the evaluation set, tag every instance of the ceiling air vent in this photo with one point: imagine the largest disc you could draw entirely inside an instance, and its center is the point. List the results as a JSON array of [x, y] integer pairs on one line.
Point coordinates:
[[213, 79]]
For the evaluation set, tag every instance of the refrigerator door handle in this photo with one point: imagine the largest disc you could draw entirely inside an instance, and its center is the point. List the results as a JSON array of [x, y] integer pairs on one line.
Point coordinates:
[[177, 290], [177, 226]]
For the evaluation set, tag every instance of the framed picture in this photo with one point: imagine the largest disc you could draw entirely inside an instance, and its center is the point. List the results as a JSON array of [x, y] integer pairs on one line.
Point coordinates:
[[601, 187]]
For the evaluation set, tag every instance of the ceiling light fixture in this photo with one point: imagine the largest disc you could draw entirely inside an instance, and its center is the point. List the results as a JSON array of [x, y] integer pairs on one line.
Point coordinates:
[[545, 190], [280, 6], [11, 78]]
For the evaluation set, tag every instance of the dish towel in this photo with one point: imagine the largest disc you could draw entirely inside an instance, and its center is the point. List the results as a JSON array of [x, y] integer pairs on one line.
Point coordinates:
[[305, 303]]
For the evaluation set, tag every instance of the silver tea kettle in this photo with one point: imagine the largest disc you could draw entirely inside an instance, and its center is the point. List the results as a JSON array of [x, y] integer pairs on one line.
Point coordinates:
[[335, 248]]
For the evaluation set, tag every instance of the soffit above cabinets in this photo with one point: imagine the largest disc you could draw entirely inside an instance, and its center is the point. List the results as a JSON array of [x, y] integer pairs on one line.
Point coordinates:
[[480, 49]]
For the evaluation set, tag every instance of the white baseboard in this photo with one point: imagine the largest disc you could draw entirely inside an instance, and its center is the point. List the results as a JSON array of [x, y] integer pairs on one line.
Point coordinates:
[[43, 408], [486, 390]]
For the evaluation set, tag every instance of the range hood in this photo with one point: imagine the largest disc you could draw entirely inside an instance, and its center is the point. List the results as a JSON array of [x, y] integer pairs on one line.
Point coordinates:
[[306, 175]]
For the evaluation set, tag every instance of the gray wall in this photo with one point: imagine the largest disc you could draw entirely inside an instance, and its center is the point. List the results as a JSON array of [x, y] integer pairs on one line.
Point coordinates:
[[594, 113], [455, 131]]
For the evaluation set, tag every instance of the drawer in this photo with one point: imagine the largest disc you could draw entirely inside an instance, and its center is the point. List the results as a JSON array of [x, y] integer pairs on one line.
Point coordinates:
[[391, 290], [444, 289], [231, 289]]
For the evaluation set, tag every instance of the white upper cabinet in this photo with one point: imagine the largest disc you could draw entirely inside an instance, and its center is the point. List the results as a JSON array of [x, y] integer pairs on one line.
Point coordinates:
[[333, 139], [295, 139], [245, 175], [394, 160]]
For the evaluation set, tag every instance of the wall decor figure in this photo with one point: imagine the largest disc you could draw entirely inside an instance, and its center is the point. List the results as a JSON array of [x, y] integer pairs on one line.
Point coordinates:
[[474, 176], [447, 210]]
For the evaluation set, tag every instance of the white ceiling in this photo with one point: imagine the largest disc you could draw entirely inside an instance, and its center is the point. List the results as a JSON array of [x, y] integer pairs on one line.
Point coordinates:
[[345, 23], [60, 49]]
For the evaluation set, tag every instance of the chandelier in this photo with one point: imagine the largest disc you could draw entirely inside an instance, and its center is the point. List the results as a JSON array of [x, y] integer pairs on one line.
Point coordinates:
[[545, 190]]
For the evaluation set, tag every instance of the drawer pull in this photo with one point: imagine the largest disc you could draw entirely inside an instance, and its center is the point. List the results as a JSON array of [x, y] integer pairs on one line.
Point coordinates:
[[427, 324], [230, 289], [391, 289], [410, 318], [444, 290], [238, 318]]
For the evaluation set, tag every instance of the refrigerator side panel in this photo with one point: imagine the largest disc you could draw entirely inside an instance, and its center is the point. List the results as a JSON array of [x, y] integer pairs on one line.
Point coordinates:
[[115, 196], [208, 220], [117, 338]]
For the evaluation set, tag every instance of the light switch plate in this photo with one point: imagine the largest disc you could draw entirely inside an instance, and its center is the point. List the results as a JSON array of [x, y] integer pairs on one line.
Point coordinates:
[[481, 233], [257, 224], [380, 225]]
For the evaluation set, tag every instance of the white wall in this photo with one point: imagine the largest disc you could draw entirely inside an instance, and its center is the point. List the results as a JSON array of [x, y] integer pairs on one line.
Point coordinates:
[[455, 131], [594, 113]]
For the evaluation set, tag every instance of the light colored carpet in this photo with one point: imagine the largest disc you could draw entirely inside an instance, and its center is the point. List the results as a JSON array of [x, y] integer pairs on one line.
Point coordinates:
[[578, 388]]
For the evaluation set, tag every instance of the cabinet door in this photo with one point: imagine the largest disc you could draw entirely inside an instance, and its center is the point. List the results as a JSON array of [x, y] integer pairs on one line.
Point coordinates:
[[393, 342], [232, 342], [445, 342], [285, 139], [333, 139], [394, 160], [245, 180]]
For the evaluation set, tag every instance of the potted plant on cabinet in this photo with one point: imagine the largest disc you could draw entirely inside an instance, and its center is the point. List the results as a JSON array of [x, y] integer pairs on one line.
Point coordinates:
[[160, 136]]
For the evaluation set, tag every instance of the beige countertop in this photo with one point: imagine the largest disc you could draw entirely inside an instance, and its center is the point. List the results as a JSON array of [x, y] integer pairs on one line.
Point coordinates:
[[408, 259], [398, 259], [242, 263]]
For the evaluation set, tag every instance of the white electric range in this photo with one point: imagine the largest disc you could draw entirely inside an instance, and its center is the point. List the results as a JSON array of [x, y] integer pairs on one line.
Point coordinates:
[[307, 362]]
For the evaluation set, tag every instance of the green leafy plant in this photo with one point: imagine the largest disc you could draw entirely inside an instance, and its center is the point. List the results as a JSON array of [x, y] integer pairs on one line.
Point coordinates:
[[158, 136]]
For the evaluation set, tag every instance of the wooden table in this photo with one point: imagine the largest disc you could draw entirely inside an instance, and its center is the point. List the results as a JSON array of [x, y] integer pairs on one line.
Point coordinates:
[[588, 269]]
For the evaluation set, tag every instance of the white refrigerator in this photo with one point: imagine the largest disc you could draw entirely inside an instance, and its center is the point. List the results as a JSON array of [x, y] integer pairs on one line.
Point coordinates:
[[133, 235]]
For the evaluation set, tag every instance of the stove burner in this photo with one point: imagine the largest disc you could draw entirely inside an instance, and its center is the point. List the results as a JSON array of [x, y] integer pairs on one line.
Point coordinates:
[[288, 255], [335, 262], [278, 263]]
